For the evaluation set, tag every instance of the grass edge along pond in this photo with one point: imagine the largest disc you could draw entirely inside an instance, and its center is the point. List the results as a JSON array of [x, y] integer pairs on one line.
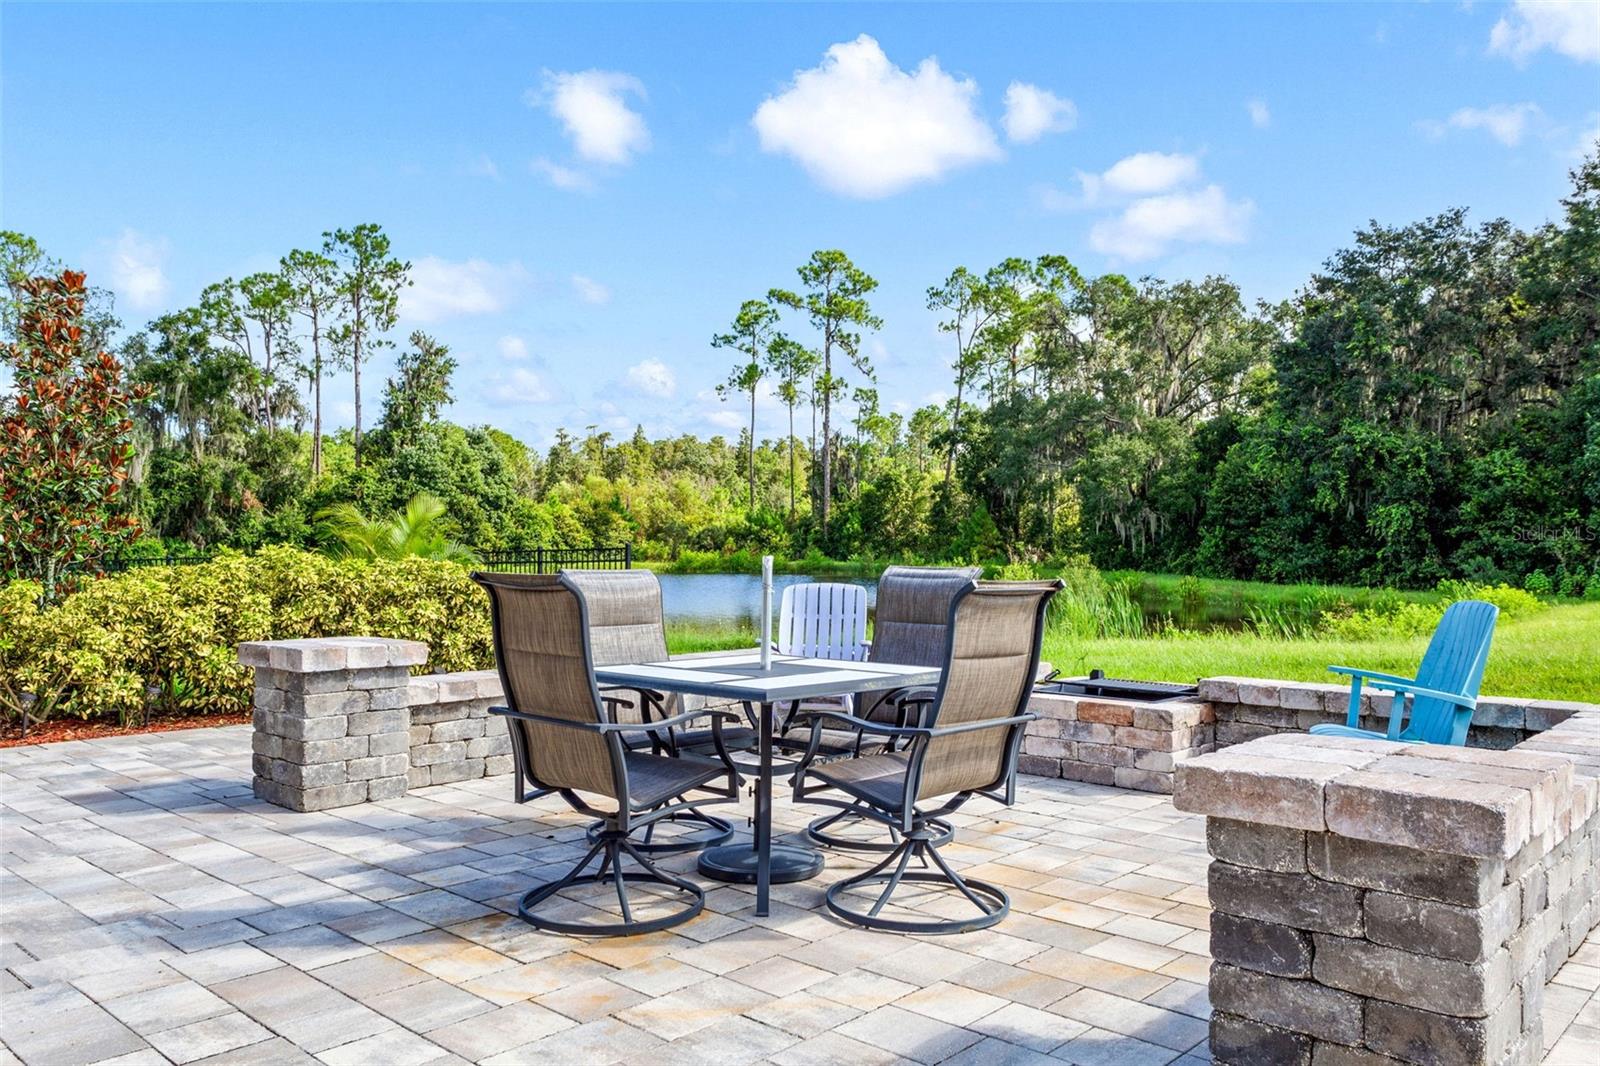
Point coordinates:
[[1547, 653]]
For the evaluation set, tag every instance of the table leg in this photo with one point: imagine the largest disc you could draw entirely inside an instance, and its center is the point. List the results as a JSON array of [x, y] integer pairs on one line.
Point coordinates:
[[761, 862]]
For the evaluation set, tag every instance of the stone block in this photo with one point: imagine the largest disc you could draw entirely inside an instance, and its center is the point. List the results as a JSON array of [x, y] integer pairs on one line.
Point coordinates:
[[1465, 880], [483, 747], [1105, 713], [322, 704], [463, 770], [422, 690], [325, 798], [1445, 986], [418, 777], [1060, 708], [389, 743], [1263, 847], [1231, 733], [386, 788], [1220, 689], [385, 677], [1237, 1041], [1264, 947], [308, 752], [1038, 766], [266, 744], [1465, 934], [1092, 773], [1047, 747], [389, 699], [1160, 761], [1277, 718], [368, 722], [1299, 1006], [1142, 780], [328, 727], [1433, 1039], [1105, 754], [1428, 813], [1146, 739], [459, 729], [1307, 696], [1540, 715], [496, 764], [1296, 900], [1090, 732], [318, 775], [1326, 1054], [433, 754], [1546, 778], [1246, 787], [268, 698]]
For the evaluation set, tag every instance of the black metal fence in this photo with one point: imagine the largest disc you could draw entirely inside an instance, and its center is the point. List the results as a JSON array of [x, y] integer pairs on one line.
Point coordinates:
[[529, 561], [549, 560]]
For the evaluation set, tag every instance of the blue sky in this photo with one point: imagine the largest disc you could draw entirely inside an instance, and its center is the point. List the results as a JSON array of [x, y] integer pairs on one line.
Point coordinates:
[[587, 193]]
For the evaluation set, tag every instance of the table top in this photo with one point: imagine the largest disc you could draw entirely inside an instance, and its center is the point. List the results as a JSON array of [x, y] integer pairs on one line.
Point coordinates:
[[738, 675]]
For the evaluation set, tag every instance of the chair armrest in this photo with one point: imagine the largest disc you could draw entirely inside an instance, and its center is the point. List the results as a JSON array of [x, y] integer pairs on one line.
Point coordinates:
[[1355, 671], [1469, 702], [973, 727], [860, 725], [615, 727]]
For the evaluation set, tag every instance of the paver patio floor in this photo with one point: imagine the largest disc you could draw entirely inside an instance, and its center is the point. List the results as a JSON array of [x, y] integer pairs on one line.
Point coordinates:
[[154, 911]]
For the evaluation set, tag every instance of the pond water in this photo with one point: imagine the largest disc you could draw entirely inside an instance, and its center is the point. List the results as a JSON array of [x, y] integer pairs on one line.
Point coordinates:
[[731, 599]]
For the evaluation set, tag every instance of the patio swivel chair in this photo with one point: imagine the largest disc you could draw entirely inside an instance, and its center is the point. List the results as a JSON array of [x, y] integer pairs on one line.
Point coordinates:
[[965, 745], [913, 616], [1445, 691], [627, 625], [566, 744]]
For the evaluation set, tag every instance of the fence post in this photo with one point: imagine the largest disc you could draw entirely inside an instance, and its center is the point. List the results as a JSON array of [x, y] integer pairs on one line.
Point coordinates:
[[538, 560], [627, 556]]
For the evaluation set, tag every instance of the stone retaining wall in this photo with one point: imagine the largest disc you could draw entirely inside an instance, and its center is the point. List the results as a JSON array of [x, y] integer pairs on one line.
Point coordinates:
[[1376, 902], [1251, 707], [453, 736], [1125, 743]]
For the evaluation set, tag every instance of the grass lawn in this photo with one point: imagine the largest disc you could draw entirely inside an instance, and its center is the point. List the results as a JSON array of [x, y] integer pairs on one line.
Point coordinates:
[[1554, 654]]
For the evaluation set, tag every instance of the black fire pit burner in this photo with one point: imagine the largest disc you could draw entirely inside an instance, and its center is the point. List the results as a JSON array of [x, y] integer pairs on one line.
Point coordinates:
[[1098, 684]]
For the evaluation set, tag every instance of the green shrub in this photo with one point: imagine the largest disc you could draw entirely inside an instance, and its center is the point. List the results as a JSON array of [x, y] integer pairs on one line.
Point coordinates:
[[166, 638], [1537, 583]]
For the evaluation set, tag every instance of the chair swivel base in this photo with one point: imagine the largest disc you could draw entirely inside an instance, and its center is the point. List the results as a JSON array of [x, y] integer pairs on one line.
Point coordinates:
[[614, 845], [991, 901], [737, 863], [817, 834], [716, 831]]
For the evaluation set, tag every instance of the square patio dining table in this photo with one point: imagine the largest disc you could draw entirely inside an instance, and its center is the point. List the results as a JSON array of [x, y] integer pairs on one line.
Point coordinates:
[[740, 676]]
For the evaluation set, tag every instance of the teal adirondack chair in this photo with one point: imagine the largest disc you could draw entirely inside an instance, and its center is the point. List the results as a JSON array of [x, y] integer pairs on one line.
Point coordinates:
[[1445, 692]]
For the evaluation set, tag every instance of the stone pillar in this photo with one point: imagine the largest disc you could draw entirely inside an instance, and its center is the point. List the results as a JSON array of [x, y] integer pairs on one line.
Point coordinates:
[[332, 719], [1375, 902]]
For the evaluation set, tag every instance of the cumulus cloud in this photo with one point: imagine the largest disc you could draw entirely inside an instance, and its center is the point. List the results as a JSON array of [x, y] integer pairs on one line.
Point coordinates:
[[1032, 112], [592, 107], [862, 127], [1568, 27], [442, 288], [651, 378], [1140, 174], [137, 266], [1260, 114], [512, 348], [519, 385], [1149, 226], [589, 290], [1506, 123], [562, 177]]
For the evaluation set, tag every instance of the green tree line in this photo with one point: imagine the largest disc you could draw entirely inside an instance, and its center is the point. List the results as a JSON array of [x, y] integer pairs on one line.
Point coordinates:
[[1425, 406]]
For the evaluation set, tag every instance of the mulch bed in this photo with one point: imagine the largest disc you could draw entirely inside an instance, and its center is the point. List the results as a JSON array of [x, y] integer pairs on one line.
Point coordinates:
[[59, 729]]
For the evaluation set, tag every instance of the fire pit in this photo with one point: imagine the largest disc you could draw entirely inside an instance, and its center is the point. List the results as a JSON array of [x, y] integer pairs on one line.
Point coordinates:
[[1099, 686]]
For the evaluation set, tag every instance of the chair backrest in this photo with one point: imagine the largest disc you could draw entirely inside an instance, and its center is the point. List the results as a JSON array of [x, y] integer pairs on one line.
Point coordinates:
[[626, 624], [823, 620], [541, 647], [912, 620], [1453, 663], [992, 654]]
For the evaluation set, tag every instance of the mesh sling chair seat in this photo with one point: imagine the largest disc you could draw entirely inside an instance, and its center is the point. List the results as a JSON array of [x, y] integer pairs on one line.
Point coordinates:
[[913, 615], [965, 745], [627, 625], [565, 744]]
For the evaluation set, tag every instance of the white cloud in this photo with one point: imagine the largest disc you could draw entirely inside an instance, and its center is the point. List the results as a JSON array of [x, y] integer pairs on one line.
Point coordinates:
[[1032, 112], [519, 385], [1149, 172], [1260, 114], [862, 127], [1588, 137], [1506, 123], [137, 265], [1147, 227], [593, 110], [512, 348], [483, 167], [651, 378], [1570, 27], [441, 288], [562, 177], [589, 290]]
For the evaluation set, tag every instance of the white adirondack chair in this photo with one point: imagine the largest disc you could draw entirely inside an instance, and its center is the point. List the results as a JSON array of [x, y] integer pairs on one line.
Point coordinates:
[[820, 620]]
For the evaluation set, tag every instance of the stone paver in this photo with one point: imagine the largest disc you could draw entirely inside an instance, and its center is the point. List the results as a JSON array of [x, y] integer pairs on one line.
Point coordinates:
[[156, 911]]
